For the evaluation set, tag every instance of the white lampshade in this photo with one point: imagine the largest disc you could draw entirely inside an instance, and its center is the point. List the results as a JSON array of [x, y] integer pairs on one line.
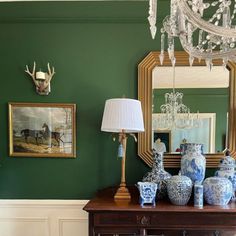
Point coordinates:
[[122, 114]]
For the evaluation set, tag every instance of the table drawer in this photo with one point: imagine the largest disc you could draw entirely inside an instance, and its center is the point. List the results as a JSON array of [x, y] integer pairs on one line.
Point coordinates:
[[108, 219], [189, 232]]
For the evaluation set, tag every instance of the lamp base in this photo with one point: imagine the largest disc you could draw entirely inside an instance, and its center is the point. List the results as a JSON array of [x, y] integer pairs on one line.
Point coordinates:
[[122, 193]]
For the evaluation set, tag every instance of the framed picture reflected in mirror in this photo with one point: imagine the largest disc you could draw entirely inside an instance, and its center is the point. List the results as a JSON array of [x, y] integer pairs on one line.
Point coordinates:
[[162, 140]]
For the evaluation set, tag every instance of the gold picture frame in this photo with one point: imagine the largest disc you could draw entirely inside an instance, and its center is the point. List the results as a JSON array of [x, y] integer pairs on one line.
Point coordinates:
[[42, 129]]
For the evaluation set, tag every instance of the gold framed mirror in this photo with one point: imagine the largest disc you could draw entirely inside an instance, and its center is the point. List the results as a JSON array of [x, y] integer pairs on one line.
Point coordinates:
[[145, 95]]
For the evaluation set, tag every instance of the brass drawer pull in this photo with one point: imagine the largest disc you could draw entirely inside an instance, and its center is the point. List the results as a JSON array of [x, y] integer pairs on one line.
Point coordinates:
[[143, 232], [145, 220]]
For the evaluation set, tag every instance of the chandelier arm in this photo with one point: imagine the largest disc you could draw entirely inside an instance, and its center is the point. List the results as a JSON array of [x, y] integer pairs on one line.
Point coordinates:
[[204, 55], [202, 24]]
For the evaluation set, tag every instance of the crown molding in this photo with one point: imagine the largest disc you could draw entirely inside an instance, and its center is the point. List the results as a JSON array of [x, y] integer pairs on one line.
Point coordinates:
[[73, 0], [118, 20]]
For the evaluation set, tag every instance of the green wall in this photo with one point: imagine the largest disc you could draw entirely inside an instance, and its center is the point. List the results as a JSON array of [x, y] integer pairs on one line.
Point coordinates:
[[95, 48]]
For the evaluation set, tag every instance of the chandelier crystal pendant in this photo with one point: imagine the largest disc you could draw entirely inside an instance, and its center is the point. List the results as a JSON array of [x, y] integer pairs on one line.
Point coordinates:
[[152, 17], [174, 114], [213, 37]]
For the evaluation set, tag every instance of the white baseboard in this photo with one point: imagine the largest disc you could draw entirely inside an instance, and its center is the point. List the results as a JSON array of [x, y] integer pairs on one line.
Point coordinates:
[[43, 218]]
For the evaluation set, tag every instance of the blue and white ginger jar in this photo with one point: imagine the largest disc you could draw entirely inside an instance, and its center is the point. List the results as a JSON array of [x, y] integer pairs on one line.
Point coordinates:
[[217, 191], [179, 189], [227, 169], [193, 163], [147, 192], [158, 175]]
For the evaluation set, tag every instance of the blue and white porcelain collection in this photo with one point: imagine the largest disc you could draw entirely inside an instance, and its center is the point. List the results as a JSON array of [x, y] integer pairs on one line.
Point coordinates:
[[217, 190]]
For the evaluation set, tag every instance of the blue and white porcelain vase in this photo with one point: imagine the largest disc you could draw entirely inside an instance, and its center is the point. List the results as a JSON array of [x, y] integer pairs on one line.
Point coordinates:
[[193, 163], [179, 189], [217, 191], [147, 192], [158, 175], [198, 195], [227, 169]]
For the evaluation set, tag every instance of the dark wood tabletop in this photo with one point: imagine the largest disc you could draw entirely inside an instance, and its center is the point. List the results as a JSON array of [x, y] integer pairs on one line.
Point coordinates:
[[109, 217], [104, 201]]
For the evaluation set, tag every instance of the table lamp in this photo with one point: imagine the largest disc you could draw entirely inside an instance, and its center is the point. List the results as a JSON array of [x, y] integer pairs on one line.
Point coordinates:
[[123, 116]]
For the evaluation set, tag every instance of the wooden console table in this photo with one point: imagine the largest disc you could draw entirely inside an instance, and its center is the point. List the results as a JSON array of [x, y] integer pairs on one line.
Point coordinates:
[[110, 218]]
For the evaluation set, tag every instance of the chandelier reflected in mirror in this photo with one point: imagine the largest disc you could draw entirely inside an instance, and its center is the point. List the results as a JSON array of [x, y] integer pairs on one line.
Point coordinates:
[[206, 30], [174, 113]]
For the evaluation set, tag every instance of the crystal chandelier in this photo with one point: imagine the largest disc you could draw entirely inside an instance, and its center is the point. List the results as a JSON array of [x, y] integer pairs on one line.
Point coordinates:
[[174, 114], [213, 37]]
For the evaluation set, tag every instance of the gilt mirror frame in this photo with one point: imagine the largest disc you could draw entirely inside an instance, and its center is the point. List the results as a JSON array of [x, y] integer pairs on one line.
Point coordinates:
[[145, 69]]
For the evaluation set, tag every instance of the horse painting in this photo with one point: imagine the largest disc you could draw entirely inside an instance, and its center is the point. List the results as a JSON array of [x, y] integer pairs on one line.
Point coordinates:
[[47, 133], [37, 134]]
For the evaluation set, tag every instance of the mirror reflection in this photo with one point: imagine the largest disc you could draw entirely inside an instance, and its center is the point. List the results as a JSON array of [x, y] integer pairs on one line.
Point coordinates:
[[205, 93]]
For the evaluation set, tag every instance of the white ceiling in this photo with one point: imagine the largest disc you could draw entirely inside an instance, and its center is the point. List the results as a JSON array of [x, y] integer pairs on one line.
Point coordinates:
[[190, 77]]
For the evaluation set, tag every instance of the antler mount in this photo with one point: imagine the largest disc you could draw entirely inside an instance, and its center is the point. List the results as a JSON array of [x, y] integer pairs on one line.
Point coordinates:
[[42, 82]]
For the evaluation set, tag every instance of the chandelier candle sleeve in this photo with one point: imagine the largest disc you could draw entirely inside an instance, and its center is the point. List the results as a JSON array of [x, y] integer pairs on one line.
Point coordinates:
[[40, 75]]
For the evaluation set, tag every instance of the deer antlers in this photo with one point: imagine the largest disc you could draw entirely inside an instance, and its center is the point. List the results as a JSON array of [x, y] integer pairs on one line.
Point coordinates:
[[32, 75], [41, 85], [49, 75]]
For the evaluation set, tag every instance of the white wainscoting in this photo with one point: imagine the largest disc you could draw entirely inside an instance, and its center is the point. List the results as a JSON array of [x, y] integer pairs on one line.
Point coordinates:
[[43, 218]]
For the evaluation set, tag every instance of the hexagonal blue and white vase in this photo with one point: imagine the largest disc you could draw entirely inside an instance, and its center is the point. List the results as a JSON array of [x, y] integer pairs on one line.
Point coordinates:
[[193, 163], [147, 192]]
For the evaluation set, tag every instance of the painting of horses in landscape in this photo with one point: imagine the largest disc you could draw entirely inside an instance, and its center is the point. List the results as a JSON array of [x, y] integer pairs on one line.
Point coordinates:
[[42, 129]]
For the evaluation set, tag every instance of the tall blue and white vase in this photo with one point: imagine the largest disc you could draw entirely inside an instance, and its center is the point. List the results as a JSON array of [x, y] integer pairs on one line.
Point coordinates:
[[193, 163], [158, 175]]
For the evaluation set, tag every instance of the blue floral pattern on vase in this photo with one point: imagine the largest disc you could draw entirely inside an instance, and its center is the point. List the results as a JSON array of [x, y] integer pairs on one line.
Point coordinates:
[[217, 191], [193, 163], [179, 189], [147, 192], [158, 175], [198, 195], [227, 169]]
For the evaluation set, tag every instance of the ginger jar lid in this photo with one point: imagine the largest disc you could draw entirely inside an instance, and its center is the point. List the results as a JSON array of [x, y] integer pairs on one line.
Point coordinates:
[[227, 161], [180, 179]]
